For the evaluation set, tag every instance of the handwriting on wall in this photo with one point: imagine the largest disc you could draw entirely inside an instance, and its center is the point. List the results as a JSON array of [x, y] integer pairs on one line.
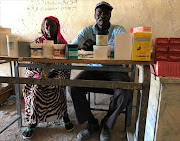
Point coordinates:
[[46, 5]]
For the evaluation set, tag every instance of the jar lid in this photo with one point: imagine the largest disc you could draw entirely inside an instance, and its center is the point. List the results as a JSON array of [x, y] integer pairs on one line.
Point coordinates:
[[35, 45], [48, 42], [59, 45], [12, 36]]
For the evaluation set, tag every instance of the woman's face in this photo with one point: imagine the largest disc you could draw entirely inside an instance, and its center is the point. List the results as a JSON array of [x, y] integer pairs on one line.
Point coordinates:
[[51, 28]]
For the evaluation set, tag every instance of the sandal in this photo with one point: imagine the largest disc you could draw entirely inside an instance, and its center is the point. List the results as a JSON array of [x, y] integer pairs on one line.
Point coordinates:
[[28, 133]]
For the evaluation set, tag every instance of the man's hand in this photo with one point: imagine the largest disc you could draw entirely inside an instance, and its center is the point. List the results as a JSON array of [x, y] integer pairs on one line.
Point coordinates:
[[88, 45]]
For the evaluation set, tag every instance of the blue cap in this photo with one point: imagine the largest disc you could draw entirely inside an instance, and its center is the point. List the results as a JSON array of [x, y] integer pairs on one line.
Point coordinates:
[[104, 3]]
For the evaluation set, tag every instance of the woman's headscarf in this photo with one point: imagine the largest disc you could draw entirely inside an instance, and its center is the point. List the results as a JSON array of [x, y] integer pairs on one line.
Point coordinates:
[[61, 38]]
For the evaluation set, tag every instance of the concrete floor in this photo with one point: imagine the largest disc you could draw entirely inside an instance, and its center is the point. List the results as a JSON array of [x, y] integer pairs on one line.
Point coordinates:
[[54, 131]]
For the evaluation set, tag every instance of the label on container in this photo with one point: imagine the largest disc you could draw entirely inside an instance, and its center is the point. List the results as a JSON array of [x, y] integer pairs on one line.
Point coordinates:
[[11, 44], [141, 50], [36, 52], [59, 52], [73, 53], [101, 39]]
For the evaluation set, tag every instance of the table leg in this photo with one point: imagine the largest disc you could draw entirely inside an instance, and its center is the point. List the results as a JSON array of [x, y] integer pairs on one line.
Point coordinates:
[[18, 95], [144, 103]]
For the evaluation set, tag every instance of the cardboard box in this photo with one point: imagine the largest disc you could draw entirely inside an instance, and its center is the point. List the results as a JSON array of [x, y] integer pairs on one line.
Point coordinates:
[[123, 46], [161, 57], [161, 48], [174, 40], [141, 50], [160, 41], [174, 48], [140, 29], [163, 68], [174, 57]]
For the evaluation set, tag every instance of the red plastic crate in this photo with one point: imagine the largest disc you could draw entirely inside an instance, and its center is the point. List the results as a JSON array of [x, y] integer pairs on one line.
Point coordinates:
[[164, 68]]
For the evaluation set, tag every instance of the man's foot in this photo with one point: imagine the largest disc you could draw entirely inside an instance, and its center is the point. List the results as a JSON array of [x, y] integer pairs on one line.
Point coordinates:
[[105, 134], [28, 133], [68, 124], [86, 133]]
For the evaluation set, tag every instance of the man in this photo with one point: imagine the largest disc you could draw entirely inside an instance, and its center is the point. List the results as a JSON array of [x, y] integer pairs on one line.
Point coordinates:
[[85, 40]]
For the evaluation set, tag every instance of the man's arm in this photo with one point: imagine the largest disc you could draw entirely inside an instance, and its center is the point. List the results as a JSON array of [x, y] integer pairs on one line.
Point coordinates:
[[83, 41]]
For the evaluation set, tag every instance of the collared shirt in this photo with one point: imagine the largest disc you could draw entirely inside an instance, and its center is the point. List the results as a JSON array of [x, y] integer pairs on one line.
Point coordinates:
[[89, 32]]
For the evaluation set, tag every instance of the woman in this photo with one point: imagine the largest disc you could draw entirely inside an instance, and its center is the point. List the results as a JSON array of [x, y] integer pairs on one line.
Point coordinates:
[[46, 103]]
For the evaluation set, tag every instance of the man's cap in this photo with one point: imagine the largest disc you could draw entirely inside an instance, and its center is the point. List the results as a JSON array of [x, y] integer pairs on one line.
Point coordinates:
[[105, 4]]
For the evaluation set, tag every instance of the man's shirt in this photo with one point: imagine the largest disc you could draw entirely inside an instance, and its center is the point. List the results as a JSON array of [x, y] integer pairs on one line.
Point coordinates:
[[89, 32]]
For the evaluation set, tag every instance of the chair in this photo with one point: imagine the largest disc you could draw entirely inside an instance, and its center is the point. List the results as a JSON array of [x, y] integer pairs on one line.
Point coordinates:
[[128, 110]]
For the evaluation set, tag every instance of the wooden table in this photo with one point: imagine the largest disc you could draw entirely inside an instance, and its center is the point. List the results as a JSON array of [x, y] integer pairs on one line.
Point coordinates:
[[47, 64]]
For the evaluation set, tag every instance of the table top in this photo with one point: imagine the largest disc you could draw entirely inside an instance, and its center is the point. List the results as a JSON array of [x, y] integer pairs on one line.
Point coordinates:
[[81, 61]]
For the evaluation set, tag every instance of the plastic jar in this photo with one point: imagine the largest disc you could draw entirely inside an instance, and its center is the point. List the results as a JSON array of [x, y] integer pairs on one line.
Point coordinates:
[[71, 51], [59, 51], [36, 50], [101, 52], [12, 45], [102, 40], [48, 48]]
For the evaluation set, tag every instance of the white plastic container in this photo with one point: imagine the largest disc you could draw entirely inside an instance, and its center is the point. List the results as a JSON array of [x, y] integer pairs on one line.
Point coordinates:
[[3, 40], [59, 51], [48, 48], [101, 52], [12, 45], [36, 50]]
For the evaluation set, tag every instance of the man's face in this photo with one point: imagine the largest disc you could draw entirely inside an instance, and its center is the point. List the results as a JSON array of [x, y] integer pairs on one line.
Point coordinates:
[[102, 16]]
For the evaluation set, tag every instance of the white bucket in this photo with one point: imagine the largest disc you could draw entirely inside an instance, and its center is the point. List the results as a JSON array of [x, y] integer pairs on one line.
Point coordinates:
[[101, 52], [59, 51], [36, 50], [3, 40], [48, 49], [12, 45]]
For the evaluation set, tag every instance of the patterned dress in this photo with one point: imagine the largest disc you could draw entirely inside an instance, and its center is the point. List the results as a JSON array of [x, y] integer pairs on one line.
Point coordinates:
[[44, 103]]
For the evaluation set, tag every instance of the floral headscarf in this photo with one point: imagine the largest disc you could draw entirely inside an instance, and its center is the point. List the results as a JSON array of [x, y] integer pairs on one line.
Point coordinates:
[[61, 38]]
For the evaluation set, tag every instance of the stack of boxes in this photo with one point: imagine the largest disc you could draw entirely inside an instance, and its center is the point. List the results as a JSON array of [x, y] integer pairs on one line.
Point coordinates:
[[167, 57], [135, 46]]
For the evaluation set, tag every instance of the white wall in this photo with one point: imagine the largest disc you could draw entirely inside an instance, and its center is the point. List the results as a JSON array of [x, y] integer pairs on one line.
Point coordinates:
[[25, 16]]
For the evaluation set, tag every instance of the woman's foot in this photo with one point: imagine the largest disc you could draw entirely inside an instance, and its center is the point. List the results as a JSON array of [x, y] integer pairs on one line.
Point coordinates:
[[28, 133]]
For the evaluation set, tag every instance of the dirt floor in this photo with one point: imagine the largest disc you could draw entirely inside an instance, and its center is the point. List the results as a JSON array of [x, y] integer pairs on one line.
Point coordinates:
[[52, 131]]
